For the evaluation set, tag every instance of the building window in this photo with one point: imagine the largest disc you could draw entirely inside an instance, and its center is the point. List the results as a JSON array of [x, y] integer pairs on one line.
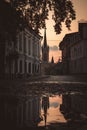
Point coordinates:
[[37, 50], [20, 42], [38, 68], [75, 64], [25, 67], [80, 50], [16, 67], [33, 68], [10, 44], [29, 47], [21, 65], [25, 44], [29, 67]]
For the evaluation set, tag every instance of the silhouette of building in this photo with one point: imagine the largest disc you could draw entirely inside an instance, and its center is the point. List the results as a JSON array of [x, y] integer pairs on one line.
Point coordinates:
[[74, 51], [46, 66], [22, 56], [45, 49], [52, 60], [45, 106], [45, 55]]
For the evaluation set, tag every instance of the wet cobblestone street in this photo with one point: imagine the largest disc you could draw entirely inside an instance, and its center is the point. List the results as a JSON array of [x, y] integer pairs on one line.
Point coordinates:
[[47, 102]]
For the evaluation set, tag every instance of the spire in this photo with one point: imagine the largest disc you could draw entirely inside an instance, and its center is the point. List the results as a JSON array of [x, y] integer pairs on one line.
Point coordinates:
[[45, 39], [45, 49], [52, 60]]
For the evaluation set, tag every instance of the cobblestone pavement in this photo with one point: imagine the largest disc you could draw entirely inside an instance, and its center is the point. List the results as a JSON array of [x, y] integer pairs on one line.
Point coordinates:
[[64, 78], [53, 83], [44, 85]]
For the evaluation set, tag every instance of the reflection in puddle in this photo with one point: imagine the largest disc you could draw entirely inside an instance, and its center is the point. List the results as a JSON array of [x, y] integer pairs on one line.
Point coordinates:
[[74, 106], [20, 111], [37, 110], [52, 113]]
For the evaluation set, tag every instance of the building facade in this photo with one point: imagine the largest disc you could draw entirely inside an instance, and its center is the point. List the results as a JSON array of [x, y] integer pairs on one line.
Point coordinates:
[[22, 57], [74, 51]]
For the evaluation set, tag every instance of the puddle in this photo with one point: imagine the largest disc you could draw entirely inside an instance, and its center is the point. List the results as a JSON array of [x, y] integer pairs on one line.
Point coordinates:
[[53, 114], [43, 110]]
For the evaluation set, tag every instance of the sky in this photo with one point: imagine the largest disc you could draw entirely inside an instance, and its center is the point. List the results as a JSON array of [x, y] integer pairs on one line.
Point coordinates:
[[80, 7]]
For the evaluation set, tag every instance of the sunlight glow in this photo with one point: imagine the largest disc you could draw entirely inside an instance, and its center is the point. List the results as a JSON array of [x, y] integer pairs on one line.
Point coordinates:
[[80, 7]]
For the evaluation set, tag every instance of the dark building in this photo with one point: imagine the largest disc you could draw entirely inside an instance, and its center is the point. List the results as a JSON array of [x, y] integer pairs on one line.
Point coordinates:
[[74, 51], [52, 60]]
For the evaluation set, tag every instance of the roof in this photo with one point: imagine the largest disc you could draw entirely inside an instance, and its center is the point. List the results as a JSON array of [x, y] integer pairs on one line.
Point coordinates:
[[33, 32], [70, 38]]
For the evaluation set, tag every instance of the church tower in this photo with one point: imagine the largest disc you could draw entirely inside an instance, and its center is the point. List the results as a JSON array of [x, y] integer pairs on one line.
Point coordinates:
[[52, 60], [45, 49]]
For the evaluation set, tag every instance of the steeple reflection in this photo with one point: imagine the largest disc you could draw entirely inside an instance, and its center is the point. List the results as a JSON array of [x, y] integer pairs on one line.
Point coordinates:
[[45, 106], [50, 110]]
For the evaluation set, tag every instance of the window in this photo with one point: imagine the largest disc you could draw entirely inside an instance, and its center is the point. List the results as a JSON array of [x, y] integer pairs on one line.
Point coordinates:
[[25, 66], [20, 66], [33, 68], [29, 67], [38, 69], [20, 42], [16, 67], [25, 46], [75, 64], [29, 47]]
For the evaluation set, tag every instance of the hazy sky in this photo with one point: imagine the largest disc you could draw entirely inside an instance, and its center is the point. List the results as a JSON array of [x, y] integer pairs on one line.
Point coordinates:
[[80, 7]]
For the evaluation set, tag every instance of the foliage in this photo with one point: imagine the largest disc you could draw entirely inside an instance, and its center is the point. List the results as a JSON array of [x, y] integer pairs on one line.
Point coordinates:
[[16, 14], [10, 20]]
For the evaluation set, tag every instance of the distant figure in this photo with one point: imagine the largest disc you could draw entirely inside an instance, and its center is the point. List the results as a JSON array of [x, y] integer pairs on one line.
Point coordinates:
[[45, 106]]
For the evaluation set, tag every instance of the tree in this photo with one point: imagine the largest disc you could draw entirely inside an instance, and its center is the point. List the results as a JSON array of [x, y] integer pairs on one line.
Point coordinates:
[[16, 14], [10, 20]]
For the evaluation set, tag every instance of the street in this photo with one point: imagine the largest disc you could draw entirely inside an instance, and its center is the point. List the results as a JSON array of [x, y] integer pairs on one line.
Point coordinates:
[[64, 78], [64, 97]]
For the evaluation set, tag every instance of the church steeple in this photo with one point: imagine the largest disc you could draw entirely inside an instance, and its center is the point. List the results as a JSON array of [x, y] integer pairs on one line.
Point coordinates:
[[45, 39], [45, 49], [52, 60]]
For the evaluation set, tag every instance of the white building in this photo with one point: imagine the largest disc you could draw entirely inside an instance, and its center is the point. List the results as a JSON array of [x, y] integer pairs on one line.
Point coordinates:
[[23, 56]]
